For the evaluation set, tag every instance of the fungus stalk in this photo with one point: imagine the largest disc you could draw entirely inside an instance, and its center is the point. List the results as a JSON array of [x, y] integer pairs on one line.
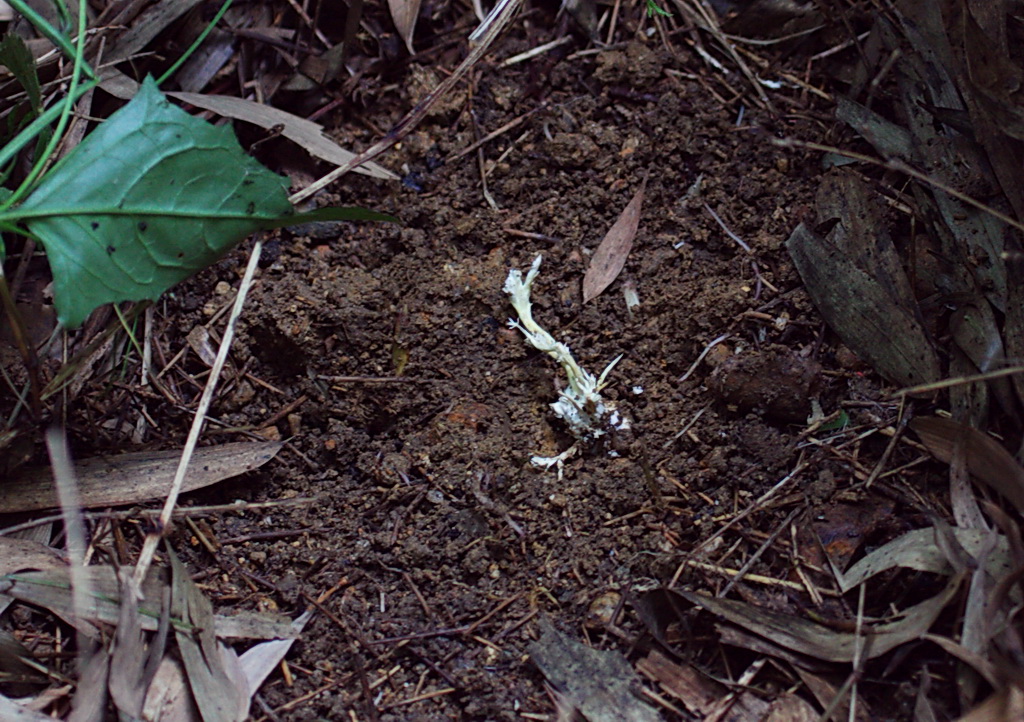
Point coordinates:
[[579, 405]]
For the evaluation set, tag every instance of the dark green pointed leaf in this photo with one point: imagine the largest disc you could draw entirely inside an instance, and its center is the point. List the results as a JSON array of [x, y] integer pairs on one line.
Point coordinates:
[[149, 198], [17, 58], [338, 213]]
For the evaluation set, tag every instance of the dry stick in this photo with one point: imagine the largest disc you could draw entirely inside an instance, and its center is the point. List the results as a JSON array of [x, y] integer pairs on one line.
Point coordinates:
[[900, 167], [495, 133], [480, 41], [754, 506], [749, 564], [956, 381], [154, 536]]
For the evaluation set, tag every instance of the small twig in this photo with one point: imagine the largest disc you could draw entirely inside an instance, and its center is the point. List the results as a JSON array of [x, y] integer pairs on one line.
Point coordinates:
[[153, 538], [693, 367], [494, 134], [534, 52], [742, 244], [480, 40]]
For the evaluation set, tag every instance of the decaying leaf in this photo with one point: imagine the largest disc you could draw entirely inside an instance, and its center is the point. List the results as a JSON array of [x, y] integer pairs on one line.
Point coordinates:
[[302, 132], [404, 14], [920, 549], [696, 691], [862, 311], [128, 670], [596, 683], [51, 589], [987, 460], [215, 677], [19, 554], [818, 641], [610, 256], [168, 698], [136, 477]]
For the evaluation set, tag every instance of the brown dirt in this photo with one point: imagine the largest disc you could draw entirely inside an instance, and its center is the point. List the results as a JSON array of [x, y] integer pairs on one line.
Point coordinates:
[[443, 544]]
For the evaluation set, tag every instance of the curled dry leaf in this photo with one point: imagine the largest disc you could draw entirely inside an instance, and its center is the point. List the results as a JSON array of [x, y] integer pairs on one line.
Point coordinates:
[[610, 256], [920, 549]]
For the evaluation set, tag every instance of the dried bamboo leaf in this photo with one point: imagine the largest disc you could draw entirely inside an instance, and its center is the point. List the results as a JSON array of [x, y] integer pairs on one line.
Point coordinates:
[[168, 698], [819, 641], [146, 27], [300, 131], [51, 590], [611, 254], [987, 460], [260, 660], [976, 331], [135, 477], [128, 683], [19, 554], [862, 312], [404, 14], [90, 701], [214, 686], [12, 711], [920, 549]]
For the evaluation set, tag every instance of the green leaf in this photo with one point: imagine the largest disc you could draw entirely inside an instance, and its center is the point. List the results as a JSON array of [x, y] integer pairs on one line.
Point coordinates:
[[16, 56], [146, 200], [338, 213]]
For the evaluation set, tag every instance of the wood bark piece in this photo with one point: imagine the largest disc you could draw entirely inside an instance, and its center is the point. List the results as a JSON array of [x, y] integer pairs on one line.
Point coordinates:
[[596, 683], [136, 477]]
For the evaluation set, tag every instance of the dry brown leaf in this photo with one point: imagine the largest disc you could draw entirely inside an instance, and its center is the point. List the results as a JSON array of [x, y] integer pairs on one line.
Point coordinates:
[[260, 660], [145, 28], [90, 701], [698, 693], [168, 698], [12, 711], [19, 554], [862, 311], [51, 589], [825, 692], [128, 681], [136, 477], [1006, 705], [300, 131], [610, 256], [821, 642], [920, 550], [404, 14], [987, 460], [217, 682], [790, 708]]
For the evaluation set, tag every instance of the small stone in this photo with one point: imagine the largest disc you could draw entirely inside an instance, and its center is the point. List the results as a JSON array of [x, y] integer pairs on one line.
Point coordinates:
[[602, 610], [222, 288], [271, 433], [295, 424], [558, 500], [258, 558]]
